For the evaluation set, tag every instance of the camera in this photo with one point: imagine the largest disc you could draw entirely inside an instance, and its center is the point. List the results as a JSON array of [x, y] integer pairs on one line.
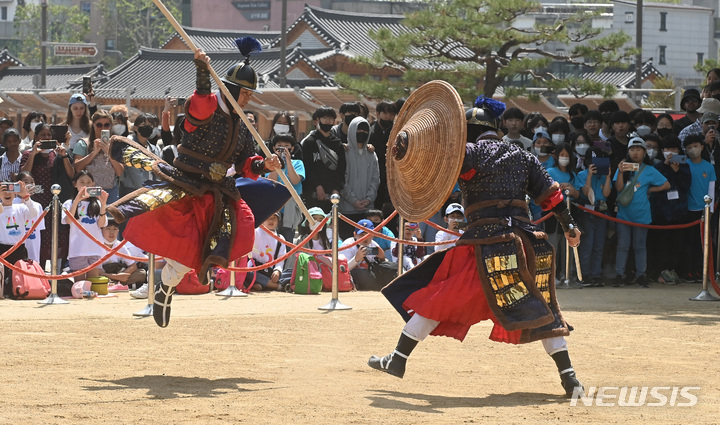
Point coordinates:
[[181, 101], [48, 144], [281, 150], [11, 187], [105, 135], [94, 191], [372, 250]]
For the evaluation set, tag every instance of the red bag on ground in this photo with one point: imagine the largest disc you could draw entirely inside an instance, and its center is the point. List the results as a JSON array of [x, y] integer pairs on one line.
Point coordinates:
[[28, 287], [222, 279], [190, 285], [345, 283]]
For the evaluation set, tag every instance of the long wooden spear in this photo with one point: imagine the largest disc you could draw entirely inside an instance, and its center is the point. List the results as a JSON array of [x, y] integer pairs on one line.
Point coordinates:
[[237, 108]]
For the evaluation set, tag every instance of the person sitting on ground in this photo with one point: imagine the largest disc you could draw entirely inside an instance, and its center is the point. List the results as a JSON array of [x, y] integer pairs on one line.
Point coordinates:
[[12, 217], [119, 270], [455, 219], [376, 216], [266, 249], [412, 254], [365, 252]]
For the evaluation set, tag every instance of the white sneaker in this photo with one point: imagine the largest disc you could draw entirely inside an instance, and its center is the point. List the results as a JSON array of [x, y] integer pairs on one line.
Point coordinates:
[[141, 292]]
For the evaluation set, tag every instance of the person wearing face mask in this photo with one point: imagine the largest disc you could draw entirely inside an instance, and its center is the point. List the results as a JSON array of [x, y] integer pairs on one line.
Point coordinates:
[[324, 158], [542, 148], [581, 144], [348, 111], [710, 107], [535, 122], [31, 121], [577, 113], [645, 122], [379, 134], [362, 176], [652, 143], [132, 178], [559, 130], [667, 249], [282, 144], [564, 173], [702, 182], [664, 126], [647, 180], [710, 134]]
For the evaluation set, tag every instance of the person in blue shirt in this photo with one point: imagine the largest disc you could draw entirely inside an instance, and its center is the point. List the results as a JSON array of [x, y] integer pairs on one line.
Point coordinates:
[[564, 173], [284, 144], [702, 182], [594, 186], [542, 147], [649, 180], [376, 216]]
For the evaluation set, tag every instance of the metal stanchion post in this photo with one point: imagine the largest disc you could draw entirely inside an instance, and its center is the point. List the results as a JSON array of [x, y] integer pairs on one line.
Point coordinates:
[[705, 295], [717, 263], [53, 298], [565, 284], [232, 290], [400, 246], [148, 310], [334, 303]]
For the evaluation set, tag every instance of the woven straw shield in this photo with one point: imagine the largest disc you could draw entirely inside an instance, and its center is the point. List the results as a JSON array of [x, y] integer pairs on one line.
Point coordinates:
[[422, 172]]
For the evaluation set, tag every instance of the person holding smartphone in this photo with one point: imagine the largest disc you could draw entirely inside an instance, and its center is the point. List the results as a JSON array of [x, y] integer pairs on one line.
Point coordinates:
[[92, 154], [648, 180], [12, 217], [455, 219], [283, 144], [361, 255]]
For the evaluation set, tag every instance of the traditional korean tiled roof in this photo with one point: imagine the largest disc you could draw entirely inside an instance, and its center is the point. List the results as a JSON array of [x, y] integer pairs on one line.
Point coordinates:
[[9, 59], [212, 40], [58, 77], [623, 78]]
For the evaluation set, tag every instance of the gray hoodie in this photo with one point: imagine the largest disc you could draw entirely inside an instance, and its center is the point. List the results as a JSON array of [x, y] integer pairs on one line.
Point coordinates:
[[362, 174]]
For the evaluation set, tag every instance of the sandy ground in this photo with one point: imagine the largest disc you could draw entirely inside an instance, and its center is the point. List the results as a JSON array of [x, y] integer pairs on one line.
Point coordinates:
[[274, 358]]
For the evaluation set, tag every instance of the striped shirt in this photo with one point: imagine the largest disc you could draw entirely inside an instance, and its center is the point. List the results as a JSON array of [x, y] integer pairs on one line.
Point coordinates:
[[7, 168]]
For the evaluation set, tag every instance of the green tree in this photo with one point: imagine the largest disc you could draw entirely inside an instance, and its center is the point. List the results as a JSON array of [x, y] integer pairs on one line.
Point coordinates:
[[64, 24], [706, 66], [136, 23], [661, 100], [476, 44]]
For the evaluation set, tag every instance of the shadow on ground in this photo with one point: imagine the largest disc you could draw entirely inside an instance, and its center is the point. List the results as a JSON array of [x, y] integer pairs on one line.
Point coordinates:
[[166, 387], [435, 404]]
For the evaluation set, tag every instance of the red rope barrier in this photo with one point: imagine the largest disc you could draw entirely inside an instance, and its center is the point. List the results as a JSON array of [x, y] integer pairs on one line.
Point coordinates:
[[74, 221], [65, 276], [647, 226], [543, 218], [442, 229], [27, 235], [402, 241]]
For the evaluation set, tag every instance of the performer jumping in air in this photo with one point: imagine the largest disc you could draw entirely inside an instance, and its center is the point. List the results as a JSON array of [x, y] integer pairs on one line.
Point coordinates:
[[195, 216], [502, 267]]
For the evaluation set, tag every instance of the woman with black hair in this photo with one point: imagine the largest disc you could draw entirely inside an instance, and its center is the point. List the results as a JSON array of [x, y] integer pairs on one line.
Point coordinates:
[[564, 173], [283, 145], [31, 121], [283, 123]]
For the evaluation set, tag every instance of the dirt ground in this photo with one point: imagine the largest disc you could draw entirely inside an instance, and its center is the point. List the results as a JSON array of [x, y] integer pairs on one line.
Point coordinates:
[[274, 358]]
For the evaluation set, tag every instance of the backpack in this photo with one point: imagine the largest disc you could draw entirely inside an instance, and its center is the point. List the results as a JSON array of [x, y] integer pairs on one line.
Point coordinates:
[[345, 282], [222, 280], [306, 276], [26, 287], [190, 285]]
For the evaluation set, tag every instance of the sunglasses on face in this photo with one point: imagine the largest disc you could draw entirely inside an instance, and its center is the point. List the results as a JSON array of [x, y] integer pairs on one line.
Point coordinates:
[[103, 125]]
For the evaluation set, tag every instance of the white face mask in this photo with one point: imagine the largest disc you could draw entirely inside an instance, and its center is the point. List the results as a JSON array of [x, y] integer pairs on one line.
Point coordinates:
[[643, 130], [693, 153], [314, 226], [558, 138], [281, 128], [581, 149], [118, 129], [668, 154], [538, 153], [651, 153], [34, 124], [539, 129], [564, 161], [46, 150]]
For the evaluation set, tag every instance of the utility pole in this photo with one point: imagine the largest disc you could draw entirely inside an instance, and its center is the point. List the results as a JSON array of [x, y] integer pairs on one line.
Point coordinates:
[[43, 47], [638, 45], [283, 46]]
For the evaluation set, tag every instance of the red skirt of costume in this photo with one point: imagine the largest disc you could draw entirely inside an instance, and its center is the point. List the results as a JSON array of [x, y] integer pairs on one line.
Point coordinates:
[[455, 298], [178, 230]]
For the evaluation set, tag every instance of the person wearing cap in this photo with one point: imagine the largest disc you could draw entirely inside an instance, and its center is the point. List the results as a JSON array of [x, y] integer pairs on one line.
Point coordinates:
[[709, 106], [542, 148], [501, 268], [266, 249], [690, 103], [637, 165], [362, 255], [322, 239], [77, 120], [412, 254], [455, 219], [196, 217], [5, 123]]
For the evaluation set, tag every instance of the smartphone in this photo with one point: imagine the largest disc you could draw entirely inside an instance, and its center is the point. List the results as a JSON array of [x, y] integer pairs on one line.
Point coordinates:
[[602, 165], [94, 191], [679, 159], [547, 149], [372, 250], [711, 127], [635, 167], [11, 187], [48, 144], [280, 150], [87, 85], [58, 132], [105, 135], [181, 101]]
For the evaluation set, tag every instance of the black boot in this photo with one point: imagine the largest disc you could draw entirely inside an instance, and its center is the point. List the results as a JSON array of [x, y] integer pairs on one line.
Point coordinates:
[[568, 380], [161, 309], [394, 363]]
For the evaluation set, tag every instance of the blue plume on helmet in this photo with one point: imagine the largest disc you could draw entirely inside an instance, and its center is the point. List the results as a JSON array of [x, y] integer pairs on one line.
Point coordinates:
[[495, 107], [248, 45]]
